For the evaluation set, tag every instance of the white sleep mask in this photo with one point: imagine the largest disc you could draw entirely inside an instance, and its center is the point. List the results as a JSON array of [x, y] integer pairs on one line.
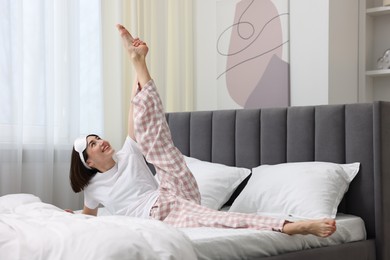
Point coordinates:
[[80, 144]]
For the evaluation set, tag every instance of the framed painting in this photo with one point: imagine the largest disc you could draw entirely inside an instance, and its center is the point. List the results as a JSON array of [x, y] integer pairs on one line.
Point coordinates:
[[253, 53]]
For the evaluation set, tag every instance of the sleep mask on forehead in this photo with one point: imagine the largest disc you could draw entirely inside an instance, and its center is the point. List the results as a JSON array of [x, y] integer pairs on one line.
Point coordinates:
[[80, 144]]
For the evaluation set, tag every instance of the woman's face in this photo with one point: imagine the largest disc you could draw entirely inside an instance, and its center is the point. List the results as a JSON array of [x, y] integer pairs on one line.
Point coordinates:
[[99, 152]]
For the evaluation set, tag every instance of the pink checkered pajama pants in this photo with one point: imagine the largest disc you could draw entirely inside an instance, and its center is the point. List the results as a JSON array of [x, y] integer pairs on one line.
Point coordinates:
[[179, 200]]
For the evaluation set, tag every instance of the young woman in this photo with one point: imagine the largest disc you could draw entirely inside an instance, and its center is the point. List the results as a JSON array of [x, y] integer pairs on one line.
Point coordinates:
[[126, 186]]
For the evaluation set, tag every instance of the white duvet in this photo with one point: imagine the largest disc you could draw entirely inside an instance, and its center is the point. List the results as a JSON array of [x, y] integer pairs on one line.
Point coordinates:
[[30, 229]]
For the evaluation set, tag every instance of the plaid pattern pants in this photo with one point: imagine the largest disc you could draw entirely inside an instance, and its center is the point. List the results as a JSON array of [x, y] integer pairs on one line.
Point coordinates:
[[179, 200]]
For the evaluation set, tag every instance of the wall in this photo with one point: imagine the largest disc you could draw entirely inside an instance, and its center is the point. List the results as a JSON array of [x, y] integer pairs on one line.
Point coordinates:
[[309, 27], [344, 51], [205, 57]]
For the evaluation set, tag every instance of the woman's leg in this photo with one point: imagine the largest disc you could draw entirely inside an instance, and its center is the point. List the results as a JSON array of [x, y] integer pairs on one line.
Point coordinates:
[[154, 138], [187, 214]]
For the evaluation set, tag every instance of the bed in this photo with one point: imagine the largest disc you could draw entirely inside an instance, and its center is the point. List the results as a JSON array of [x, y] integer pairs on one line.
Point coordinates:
[[227, 150], [330, 133]]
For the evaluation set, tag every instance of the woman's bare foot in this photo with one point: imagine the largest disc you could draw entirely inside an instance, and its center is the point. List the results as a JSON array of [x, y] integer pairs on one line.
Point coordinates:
[[137, 51], [134, 46], [320, 228]]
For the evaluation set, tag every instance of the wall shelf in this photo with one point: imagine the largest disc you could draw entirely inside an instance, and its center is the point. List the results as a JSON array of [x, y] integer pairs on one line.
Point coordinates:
[[377, 11], [374, 40], [378, 73]]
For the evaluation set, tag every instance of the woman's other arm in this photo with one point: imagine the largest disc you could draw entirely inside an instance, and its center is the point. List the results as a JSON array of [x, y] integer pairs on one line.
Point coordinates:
[[130, 119], [89, 211]]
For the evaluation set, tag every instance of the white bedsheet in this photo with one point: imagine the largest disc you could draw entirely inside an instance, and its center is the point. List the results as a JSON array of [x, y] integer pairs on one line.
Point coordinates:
[[214, 243], [30, 229]]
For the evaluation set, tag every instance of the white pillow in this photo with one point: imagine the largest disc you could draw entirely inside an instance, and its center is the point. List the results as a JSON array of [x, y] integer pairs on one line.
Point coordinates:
[[216, 182], [301, 190]]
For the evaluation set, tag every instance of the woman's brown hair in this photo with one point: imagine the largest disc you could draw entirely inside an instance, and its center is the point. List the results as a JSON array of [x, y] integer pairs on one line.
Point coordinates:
[[79, 175]]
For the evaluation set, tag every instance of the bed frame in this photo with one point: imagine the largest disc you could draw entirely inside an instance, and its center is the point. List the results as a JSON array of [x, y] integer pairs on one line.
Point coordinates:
[[333, 133]]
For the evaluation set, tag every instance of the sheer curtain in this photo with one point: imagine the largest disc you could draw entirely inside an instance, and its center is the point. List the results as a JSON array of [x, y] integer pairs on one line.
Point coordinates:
[[50, 93], [167, 27]]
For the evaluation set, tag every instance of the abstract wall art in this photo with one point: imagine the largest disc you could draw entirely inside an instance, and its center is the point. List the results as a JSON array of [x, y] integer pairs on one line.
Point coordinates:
[[253, 53]]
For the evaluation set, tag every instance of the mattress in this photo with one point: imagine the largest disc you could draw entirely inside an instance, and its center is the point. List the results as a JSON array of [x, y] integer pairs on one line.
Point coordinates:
[[220, 243], [217, 243]]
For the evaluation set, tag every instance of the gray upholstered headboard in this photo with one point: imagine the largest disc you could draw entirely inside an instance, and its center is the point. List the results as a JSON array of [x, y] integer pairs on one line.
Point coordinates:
[[332, 133]]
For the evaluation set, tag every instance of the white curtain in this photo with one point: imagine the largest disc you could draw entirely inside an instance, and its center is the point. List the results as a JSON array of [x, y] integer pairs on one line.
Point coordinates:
[[167, 27], [50, 93]]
